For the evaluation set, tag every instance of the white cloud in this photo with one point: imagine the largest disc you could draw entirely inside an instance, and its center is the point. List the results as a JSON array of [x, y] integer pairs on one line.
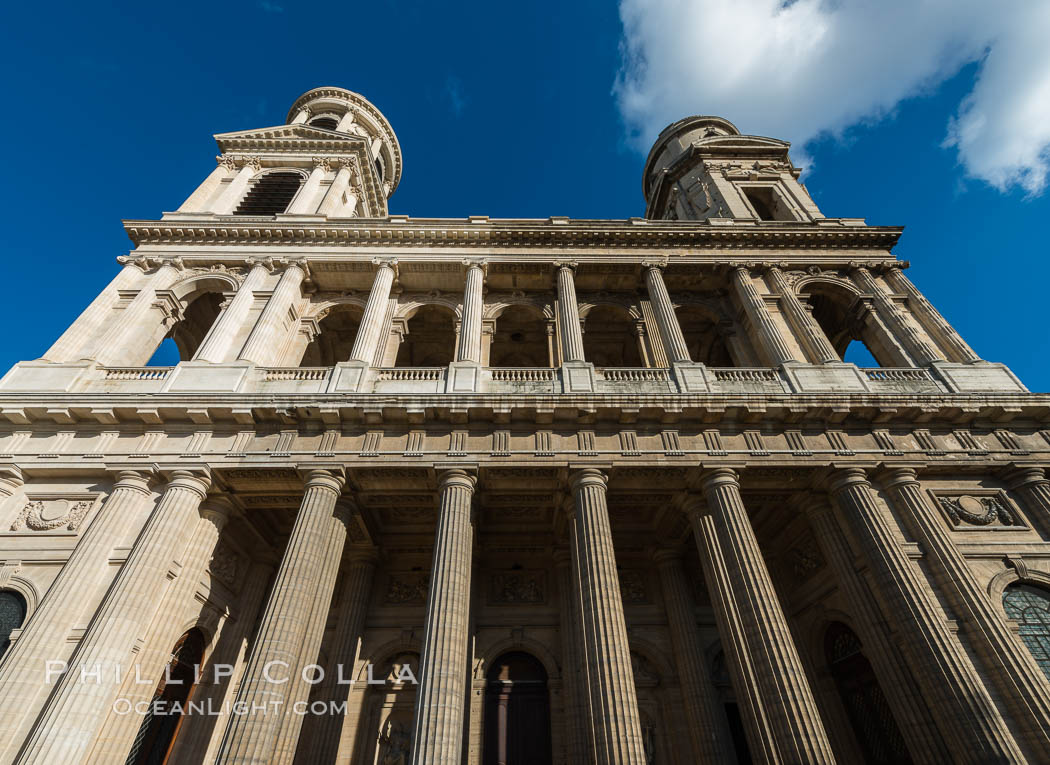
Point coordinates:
[[797, 70]]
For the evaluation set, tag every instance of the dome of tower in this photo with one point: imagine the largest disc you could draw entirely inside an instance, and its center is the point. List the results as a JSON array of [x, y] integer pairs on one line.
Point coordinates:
[[677, 137]]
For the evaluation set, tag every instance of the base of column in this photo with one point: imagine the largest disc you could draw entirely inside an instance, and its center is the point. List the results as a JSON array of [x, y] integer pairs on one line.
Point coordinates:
[[979, 376], [463, 377], [834, 377], [691, 377], [350, 377], [577, 377]]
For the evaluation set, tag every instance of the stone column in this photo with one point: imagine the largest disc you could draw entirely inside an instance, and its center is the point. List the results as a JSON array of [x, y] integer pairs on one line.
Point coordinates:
[[974, 730], [703, 709], [1008, 663], [569, 315], [235, 190], [301, 116], [22, 673], [470, 320], [130, 326], [348, 631], [118, 732], [670, 329], [267, 332], [801, 321], [305, 202], [615, 722], [575, 690], [931, 318], [217, 344], [779, 711], [76, 709], [68, 347], [333, 200], [897, 322], [286, 622], [766, 331], [1031, 484], [896, 679], [373, 322], [345, 122], [441, 697], [11, 480]]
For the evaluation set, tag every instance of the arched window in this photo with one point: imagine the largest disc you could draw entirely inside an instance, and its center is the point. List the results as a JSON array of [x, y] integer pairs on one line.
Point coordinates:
[[335, 339], [12, 615], [327, 123], [1030, 607], [187, 334], [517, 712], [520, 339], [611, 339], [851, 328], [702, 337], [157, 732], [877, 733], [270, 194], [430, 338]]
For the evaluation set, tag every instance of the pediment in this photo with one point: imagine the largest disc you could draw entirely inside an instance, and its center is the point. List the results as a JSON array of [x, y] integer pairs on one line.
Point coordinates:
[[744, 142], [288, 137]]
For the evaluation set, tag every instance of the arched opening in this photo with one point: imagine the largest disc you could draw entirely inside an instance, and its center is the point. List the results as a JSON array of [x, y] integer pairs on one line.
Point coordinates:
[[1029, 606], [270, 194], [611, 338], [430, 338], [326, 123], [847, 326], [720, 679], [520, 339], [391, 710], [335, 338], [517, 712], [703, 337], [161, 724], [12, 616], [878, 736], [185, 337]]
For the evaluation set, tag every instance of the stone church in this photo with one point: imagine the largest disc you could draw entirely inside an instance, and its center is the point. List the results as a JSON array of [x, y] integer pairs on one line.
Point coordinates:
[[517, 492]]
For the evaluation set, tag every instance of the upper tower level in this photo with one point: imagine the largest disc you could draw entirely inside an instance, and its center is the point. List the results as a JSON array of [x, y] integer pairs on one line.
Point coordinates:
[[702, 167], [336, 156]]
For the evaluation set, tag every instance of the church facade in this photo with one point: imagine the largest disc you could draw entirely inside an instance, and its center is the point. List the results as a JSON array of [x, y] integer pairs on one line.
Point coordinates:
[[510, 491]]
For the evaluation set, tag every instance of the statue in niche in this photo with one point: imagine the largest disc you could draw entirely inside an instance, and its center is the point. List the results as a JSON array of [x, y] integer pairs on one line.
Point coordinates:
[[393, 744]]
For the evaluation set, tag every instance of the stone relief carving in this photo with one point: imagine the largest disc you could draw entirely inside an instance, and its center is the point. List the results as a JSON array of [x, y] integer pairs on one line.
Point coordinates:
[[224, 564], [632, 587], [517, 587], [804, 559], [408, 589], [50, 514], [966, 509]]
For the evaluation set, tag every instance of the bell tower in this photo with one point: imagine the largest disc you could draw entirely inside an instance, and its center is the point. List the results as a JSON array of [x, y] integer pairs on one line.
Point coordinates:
[[702, 168], [336, 156]]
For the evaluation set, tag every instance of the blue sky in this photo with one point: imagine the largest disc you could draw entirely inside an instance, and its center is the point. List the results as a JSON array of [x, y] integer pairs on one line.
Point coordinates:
[[502, 110]]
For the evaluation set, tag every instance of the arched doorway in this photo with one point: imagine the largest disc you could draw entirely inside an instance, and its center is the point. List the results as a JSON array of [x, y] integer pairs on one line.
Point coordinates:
[[611, 337], [1029, 606], [853, 330], [12, 616], [157, 732], [430, 338], [520, 339], [335, 339], [878, 736], [517, 712], [391, 706]]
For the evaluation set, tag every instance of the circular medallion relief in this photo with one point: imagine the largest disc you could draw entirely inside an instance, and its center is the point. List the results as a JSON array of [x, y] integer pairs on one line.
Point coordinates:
[[54, 510]]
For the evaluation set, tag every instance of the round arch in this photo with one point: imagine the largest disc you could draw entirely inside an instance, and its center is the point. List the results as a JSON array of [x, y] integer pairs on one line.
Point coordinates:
[[613, 334], [429, 333], [493, 651]]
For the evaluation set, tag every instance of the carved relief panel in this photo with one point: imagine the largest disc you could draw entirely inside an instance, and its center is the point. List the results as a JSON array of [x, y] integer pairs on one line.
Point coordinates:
[[53, 512]]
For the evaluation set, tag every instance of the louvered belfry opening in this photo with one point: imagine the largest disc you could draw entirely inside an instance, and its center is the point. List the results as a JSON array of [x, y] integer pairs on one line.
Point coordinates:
[[270, 194], [328, 123]]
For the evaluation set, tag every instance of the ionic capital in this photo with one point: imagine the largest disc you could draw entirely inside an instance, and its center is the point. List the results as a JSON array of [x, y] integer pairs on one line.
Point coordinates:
[[588, 477], [566, 265], [323, 478], [458, 478]]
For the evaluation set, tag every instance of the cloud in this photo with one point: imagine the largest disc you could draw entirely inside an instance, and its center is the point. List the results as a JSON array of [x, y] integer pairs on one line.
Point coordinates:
[[806, 68], [454, 92], [269, 7]]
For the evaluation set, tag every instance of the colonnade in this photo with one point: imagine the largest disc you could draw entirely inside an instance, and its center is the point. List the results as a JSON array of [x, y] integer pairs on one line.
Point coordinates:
[[912, 336]]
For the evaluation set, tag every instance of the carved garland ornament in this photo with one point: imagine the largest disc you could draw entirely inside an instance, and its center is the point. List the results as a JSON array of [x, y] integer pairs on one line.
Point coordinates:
[[977, 511], [46, 515]]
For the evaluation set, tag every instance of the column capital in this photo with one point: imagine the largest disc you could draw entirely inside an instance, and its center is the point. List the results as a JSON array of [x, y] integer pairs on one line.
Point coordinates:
[[322, 163], [365, 556], [255, 261], [11, 479], [665, 557], [719, 476], [134, 479], [330, 478], [460, 477], [845, 477], [562, 557], [655, 265], [196, 479], [569, 265], [217, 510], [585, 477], [694, 506], [391, 263], [1020, 476], [894, 476]]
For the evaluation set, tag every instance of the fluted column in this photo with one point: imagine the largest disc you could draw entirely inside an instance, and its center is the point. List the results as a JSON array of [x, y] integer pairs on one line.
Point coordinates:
[[222, 335], [903, 330], [348, 631], [235, 190], [768, 333], [569, 314], [574, 689], [333, 200], [470, 321], [305, 202], [801, 321], [670, 329], [1009, 665], [372, 328], [118, 732], [921, 737], [286, 622], [68, 347], [931, 318], [75, 711], [703, 709], [1031, 484], [22, 672], [615, 723], [780, 714], [130, 325], [267, 332], [974, 730], [442, 695]]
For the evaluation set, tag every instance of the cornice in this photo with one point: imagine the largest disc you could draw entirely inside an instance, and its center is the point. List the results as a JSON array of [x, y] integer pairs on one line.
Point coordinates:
[[635, 233]]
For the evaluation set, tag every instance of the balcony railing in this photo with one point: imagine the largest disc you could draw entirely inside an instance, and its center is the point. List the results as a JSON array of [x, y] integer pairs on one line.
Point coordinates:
[[136, 373], [523, 374]]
